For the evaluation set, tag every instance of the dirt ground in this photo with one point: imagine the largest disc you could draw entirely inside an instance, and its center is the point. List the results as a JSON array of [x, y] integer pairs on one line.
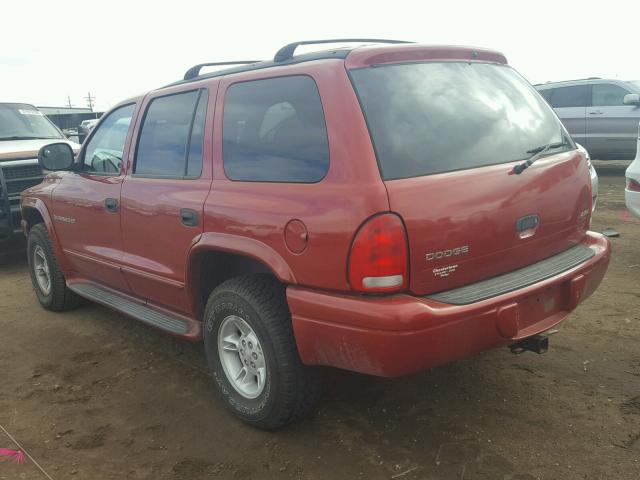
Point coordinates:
[[90, 394]]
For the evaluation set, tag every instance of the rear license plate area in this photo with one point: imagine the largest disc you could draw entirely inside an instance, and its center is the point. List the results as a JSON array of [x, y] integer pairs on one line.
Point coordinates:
[[535, 308]]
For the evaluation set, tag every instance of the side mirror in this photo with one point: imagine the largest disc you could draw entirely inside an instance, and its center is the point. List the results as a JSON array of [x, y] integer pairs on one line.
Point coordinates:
[[56, 156], [631, 99]]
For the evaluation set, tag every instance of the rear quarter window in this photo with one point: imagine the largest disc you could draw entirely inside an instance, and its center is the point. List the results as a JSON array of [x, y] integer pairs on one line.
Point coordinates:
[[608, 95], [274, 131]]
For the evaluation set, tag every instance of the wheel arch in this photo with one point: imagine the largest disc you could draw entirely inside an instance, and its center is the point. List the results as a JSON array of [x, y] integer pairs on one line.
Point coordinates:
[[219, 257], [34, 211]]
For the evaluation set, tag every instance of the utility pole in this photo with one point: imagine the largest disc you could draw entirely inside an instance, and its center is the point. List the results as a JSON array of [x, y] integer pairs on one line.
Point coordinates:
[[69, 102], [89, 100]]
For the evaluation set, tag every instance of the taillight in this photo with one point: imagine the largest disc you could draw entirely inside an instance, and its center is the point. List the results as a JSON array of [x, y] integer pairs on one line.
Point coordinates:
[[633, 185], [378, 259]]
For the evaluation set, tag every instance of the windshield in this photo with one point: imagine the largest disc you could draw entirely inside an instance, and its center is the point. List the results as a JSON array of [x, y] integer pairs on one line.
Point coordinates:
[[435, 117], [635, 84], [18, 121]]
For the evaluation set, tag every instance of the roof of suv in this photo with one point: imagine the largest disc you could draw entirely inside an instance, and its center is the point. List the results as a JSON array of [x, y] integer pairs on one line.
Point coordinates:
[[580, 81], [359, 56]]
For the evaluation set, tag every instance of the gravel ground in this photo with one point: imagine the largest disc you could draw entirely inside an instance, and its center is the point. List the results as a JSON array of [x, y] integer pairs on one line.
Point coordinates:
[[91, 394]]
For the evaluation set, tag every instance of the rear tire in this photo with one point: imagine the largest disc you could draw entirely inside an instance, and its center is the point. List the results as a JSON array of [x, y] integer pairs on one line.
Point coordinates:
[[252, 354], [47, 279]]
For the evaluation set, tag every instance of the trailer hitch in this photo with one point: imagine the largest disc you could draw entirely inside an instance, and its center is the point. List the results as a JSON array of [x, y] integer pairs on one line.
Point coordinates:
[[536, 343]]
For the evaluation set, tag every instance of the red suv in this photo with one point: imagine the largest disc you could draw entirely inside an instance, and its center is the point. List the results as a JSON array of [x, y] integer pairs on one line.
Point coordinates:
[[382, 209]]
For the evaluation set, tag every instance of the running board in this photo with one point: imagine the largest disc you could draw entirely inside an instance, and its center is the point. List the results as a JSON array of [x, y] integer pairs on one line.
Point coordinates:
[[124, 304]]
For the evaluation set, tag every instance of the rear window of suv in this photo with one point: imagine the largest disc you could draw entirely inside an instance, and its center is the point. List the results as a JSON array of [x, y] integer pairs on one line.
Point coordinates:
[[274, 131], [427, 118]]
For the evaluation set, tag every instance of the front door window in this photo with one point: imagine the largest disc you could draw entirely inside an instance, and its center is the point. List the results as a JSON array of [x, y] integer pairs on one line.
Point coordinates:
[[103, 154]]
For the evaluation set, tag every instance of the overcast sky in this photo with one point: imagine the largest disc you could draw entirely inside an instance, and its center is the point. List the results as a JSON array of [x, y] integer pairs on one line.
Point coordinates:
[[116, 49]]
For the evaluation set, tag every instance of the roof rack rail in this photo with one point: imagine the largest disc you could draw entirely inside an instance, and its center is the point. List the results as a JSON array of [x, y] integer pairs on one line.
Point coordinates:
[[194, 71], [567, 81], [286, 52]]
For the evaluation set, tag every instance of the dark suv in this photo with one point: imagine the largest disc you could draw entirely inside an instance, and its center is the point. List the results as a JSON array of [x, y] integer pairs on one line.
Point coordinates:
[[382, 209]]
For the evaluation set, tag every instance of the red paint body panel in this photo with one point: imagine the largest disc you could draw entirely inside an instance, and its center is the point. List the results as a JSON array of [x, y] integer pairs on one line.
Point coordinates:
[[92, 243], [154, 264], [331, 209], [402, 334], [479, 209]]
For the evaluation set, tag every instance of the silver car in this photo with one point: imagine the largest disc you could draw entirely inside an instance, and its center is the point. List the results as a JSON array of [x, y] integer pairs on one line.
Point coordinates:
[[600, 114], [632, 190]]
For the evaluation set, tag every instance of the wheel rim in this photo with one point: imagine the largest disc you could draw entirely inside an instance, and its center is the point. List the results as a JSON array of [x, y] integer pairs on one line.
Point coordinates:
[[242, 357], [41, 270]]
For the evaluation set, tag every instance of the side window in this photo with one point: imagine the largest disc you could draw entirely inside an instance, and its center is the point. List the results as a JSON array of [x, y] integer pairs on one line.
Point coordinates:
[[608, 95], [546, 94], [274, 116], [171, 139], [274, 131], [564, 97], [103, 153]]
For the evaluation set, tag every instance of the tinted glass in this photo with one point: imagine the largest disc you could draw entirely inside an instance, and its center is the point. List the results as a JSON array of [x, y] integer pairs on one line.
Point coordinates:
[[170, 143], [103, 153], [274, 131], [635, 84], [437, 117], [546, 94], [608, 95], [565, 97], [18, 120]]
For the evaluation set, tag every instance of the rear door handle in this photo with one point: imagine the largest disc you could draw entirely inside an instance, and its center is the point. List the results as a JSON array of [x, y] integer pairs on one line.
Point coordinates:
[[111, 204], [599, 112], [189, 217]]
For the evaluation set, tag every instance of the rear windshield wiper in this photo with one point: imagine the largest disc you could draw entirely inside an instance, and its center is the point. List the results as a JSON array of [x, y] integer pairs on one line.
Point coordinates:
[[536, 154]]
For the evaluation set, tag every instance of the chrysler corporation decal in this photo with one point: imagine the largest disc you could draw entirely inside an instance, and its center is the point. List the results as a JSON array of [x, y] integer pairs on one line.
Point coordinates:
[[448, 269], [60, 218], [444, 271]]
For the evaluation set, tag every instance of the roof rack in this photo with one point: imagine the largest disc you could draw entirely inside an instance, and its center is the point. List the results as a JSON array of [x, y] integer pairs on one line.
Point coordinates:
[[567, 81], [194, 71], [286, 52]]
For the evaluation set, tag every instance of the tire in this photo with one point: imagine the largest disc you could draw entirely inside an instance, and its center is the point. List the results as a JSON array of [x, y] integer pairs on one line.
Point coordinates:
[[41, 258], [290, 389]]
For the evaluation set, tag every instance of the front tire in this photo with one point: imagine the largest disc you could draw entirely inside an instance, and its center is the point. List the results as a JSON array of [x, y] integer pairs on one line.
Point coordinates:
[[252, 354], [47, 279]]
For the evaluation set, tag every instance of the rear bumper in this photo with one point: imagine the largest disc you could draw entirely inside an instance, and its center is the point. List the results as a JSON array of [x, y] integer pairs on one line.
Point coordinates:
[[401, 334]]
